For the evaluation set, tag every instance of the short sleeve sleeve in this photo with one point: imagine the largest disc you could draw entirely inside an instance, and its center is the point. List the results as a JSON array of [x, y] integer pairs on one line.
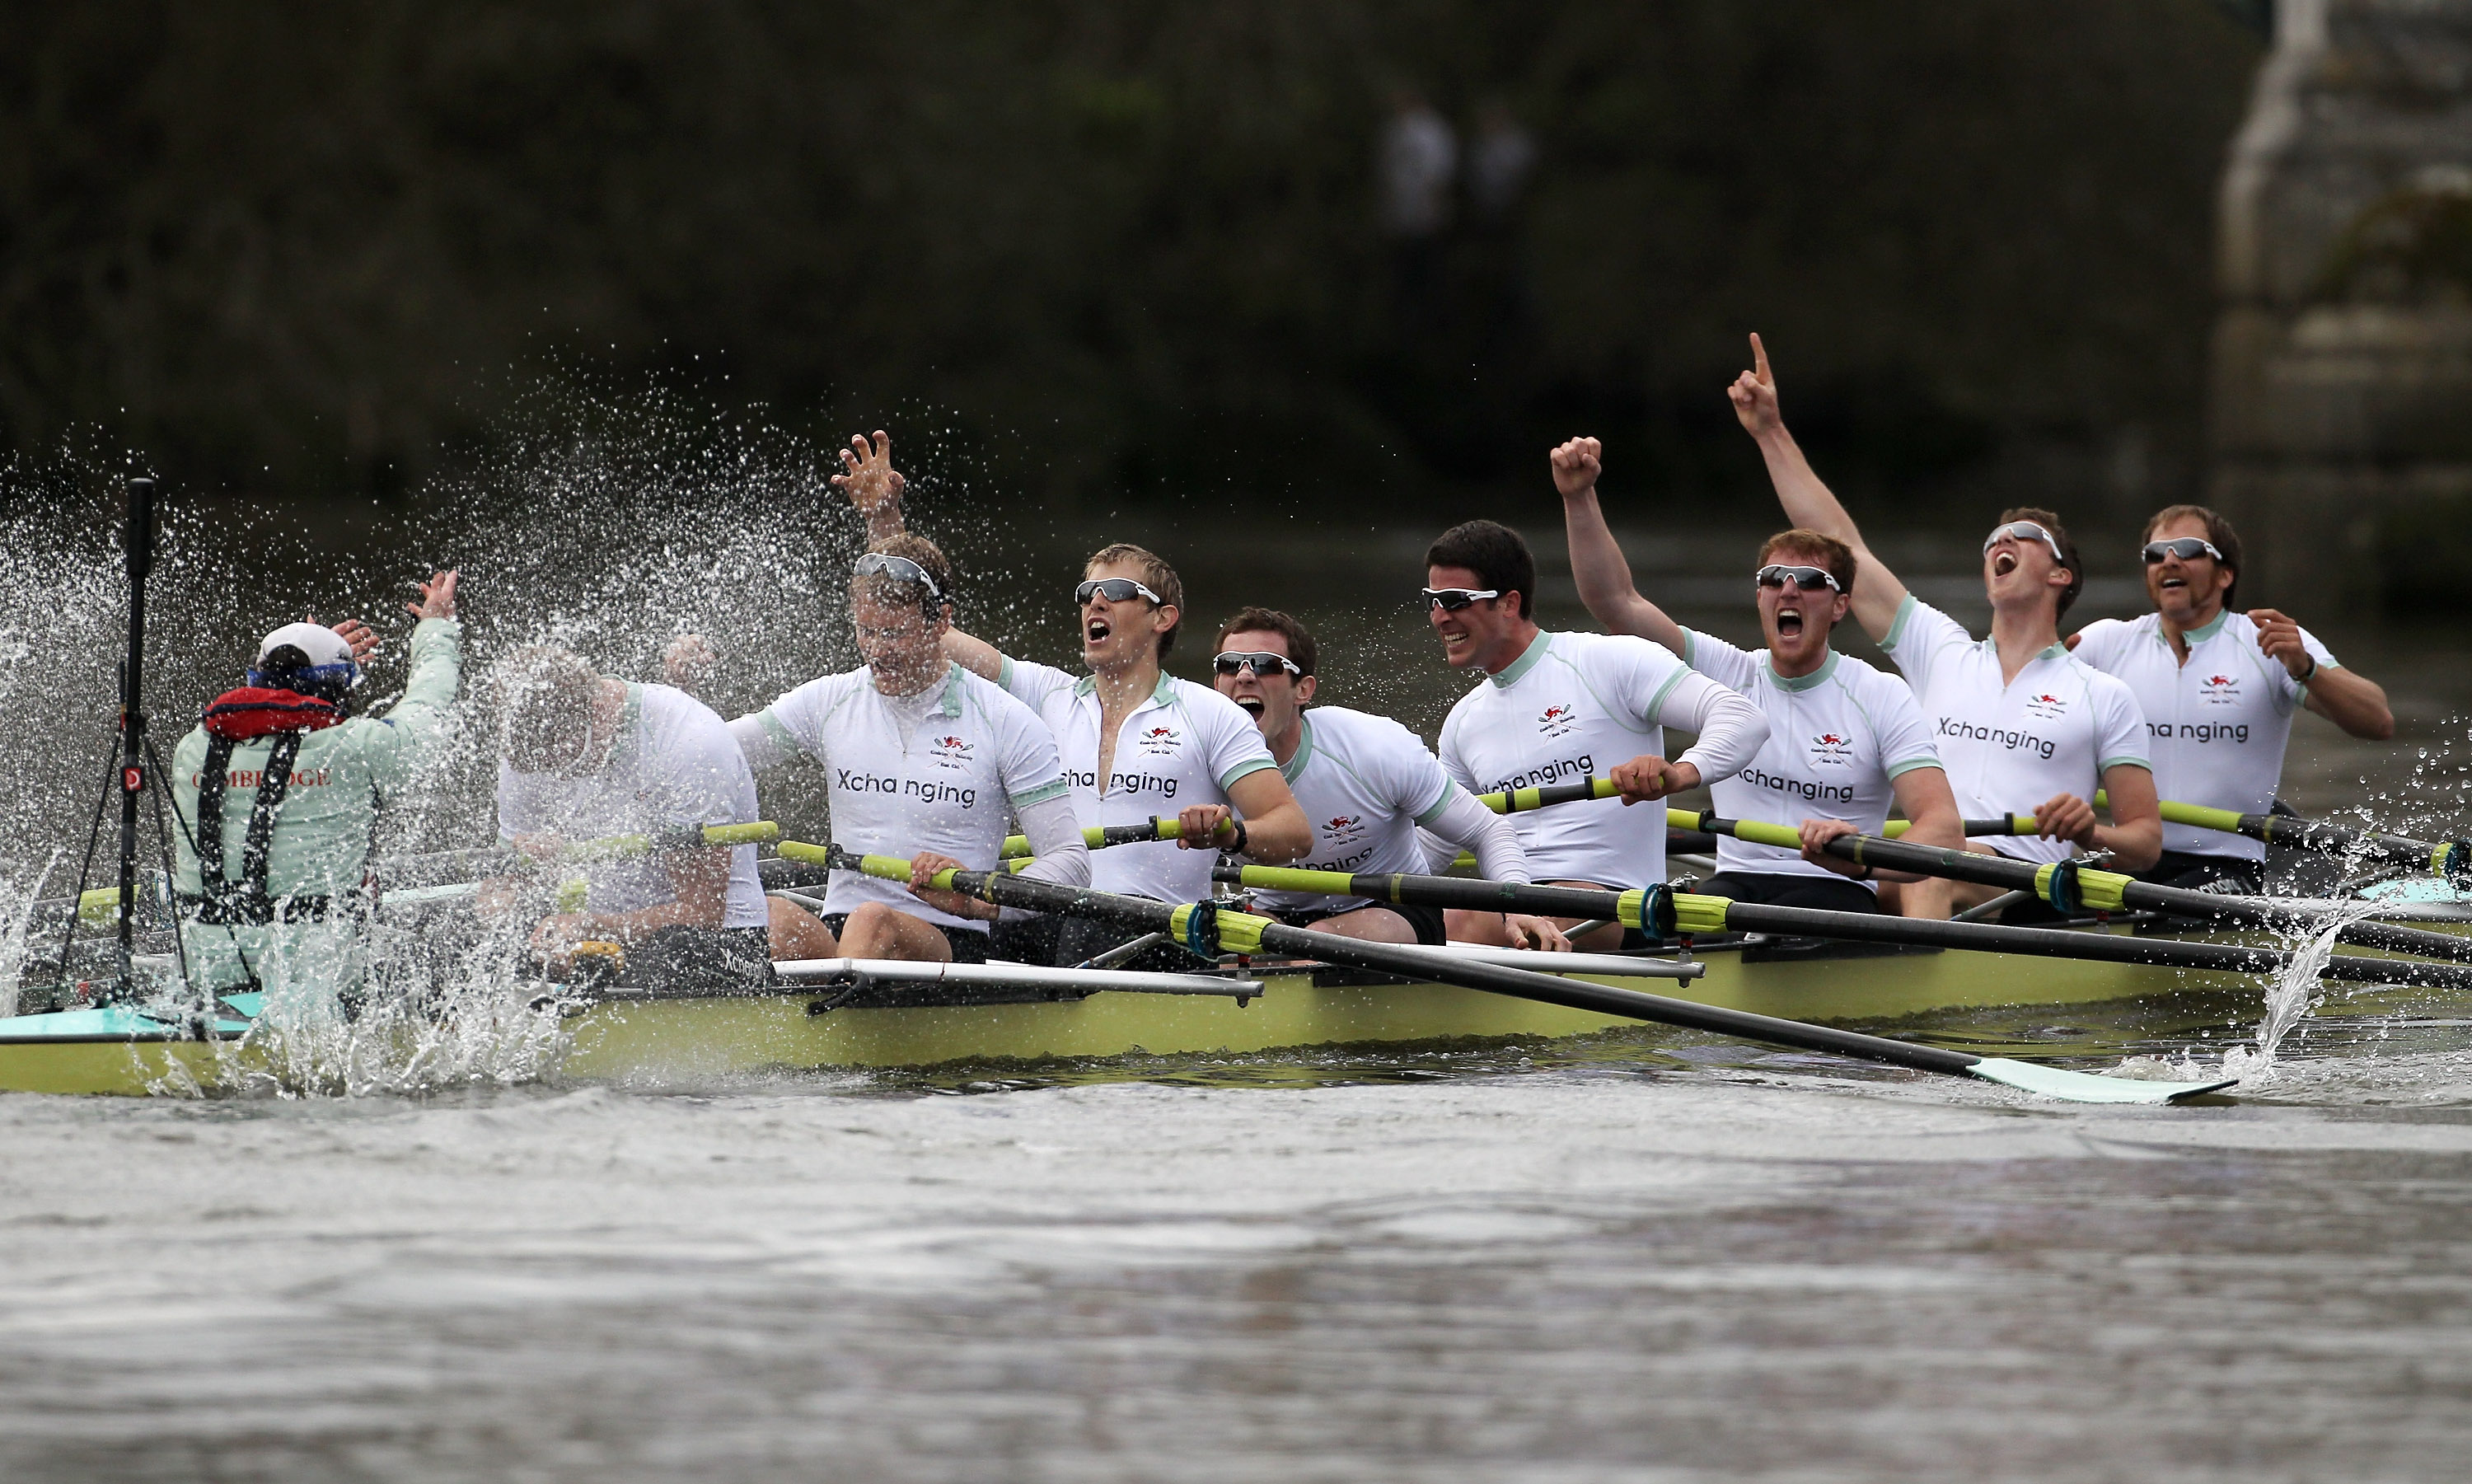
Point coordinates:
[[1919, 635], [2099, 643], [795, 721], [1033, 770], [2121, 725], [1236, 748], [1904, 737], [702, 776], [1031, 683], [1412, 776], [1733, 668]]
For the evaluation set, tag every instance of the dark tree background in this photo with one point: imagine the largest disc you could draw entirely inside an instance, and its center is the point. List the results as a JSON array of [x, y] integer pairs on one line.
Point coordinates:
[[301, 251]]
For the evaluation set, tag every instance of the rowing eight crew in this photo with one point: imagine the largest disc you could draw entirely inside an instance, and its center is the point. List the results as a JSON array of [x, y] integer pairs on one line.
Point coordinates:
[[941, 738]]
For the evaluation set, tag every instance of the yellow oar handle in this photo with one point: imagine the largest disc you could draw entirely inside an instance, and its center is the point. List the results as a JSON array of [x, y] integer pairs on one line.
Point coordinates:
[[618, 847], [890, 868], [1519, 801]]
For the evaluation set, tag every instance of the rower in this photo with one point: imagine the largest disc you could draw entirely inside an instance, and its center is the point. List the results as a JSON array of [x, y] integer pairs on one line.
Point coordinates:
[[584, 756], [1137, 742], [1559, 706], [2014, 717], [923, 758], [268, 883], [2219, 688], [1367, 785], [1844, 740]]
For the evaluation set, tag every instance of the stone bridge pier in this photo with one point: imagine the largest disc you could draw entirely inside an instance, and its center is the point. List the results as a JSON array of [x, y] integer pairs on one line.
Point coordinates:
[[2341, 409]]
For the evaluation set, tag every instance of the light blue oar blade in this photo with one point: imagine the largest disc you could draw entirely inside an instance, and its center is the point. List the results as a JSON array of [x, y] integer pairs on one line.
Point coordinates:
[[2086, 1087]]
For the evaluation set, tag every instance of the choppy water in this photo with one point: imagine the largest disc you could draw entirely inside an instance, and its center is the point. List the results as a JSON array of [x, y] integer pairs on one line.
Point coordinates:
[[1641, 1257], [1738, 1267]]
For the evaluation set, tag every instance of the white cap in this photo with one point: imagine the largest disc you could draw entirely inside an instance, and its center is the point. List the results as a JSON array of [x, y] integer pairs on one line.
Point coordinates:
[[322, 645], [331, 666]]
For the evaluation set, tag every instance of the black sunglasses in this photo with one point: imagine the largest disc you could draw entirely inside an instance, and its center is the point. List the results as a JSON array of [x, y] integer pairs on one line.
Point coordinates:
[[1809, 579], [1450, 600], [2188, 548], [1115, 590], [1260, 662]]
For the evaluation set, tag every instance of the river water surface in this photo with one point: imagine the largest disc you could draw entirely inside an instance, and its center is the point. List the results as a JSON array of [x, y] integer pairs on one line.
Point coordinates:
[[1645, 1256]]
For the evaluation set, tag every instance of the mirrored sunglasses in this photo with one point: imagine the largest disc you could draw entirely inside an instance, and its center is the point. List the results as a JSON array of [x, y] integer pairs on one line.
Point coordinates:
[[1260, 662], [1809, 579], [901, 569], [2188, 548], [1115, 590]]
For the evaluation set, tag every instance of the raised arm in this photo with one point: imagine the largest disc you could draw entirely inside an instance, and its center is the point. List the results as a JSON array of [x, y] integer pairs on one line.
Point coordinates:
[[1597, 561], [873, 486], [1808, 502]]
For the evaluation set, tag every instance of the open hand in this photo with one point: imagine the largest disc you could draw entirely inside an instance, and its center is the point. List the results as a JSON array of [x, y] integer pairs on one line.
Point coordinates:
[[356, 633], [1538, 933], [868, 478], [436, 596], [1754, 393], [1577, 463]]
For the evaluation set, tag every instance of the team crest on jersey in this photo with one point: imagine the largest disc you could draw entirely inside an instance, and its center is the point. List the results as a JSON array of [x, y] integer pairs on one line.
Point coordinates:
[[2046, 706], [1556, 720], [2219, 689], [1158, 741], [1828, 750], [950, 751], [1344, 829]]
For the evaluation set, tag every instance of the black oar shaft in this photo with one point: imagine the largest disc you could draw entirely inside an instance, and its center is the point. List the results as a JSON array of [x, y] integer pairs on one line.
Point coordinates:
[[1638, 909], [2002, 872], [1434, 963]]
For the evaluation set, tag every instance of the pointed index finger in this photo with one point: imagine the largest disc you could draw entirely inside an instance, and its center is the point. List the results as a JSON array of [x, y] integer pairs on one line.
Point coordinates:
[[1759, 359]]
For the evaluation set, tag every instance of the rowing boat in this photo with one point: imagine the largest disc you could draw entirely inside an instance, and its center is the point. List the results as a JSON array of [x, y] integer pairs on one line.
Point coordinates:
[[852, 1013]]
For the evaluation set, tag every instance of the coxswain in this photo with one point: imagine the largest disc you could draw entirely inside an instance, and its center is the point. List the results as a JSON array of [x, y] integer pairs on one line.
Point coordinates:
[[2219, 688], [922, 759], [1369, 787], [1138, 743], [2018, 722], [587, 756], [1555, 707], [277, 791], [1846, 741]]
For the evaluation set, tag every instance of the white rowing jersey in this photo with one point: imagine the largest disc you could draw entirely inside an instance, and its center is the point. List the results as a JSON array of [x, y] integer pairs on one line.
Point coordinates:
[[2011, 745], [673, 764], [1186, 745], [1366, 783], [2217, 726], [939, 770], [1576, 704], [1837, 738]]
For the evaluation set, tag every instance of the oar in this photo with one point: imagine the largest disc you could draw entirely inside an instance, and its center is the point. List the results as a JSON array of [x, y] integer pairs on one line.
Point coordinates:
[[1209, 930], [1665, 913], [2451, 859], [833, 858], [1519, 801], [2070, 887], [1099, 837], [438, 866]]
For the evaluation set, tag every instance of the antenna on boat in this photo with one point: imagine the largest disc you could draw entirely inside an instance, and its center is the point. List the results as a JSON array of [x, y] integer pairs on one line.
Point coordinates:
[[138, 538]]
